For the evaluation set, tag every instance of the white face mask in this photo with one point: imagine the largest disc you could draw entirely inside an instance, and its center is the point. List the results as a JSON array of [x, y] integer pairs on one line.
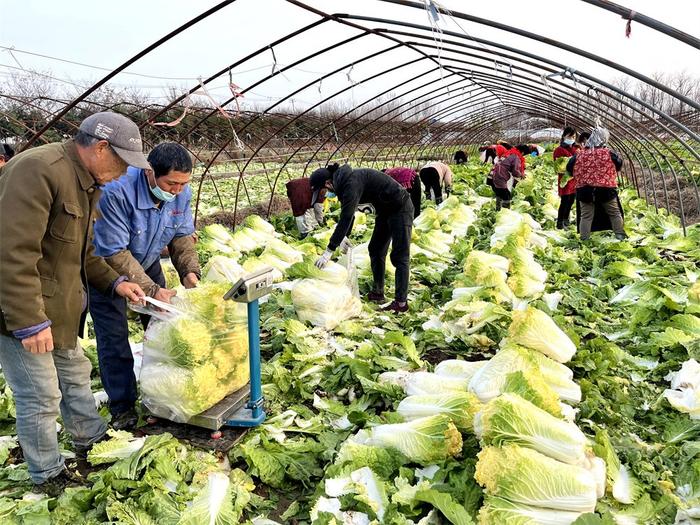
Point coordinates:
[[161, 194], [568, 142]]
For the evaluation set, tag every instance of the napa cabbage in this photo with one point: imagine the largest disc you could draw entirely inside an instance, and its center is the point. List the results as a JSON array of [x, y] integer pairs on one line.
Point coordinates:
[[534, 329], [488, 382], [213, 504], [424, 440], [120, 445], [461, 407], [511, 419], [525, 476], [500, 511], [220, 268]]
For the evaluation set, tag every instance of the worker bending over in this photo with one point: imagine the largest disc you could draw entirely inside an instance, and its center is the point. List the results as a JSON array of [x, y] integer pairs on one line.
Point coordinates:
[[306, 215], [141, 213], [435, 176], [392, 225]]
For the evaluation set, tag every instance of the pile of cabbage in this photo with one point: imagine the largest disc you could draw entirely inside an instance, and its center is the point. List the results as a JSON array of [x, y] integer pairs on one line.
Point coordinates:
[[195, 354], [323, 297]]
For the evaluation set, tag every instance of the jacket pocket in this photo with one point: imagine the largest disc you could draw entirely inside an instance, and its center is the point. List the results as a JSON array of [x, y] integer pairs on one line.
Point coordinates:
[[66, 225], [48, 286]]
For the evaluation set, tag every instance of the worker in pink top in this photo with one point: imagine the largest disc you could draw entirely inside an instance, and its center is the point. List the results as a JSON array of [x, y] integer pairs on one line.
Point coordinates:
[[408, 178], [435, 176]]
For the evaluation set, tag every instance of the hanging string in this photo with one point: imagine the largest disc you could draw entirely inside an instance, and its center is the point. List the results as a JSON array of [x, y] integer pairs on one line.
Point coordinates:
[[173, 123], [275, 68], [628, 26], [433, 15], [349, 73]]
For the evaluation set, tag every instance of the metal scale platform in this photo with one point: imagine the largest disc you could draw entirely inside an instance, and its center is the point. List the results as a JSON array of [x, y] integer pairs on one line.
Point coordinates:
[[229, 420]]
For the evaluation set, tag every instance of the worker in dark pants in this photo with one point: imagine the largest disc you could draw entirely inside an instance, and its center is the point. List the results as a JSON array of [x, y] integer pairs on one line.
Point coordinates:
[[435, 176], [393, 224], [595, 170], [143, 212]]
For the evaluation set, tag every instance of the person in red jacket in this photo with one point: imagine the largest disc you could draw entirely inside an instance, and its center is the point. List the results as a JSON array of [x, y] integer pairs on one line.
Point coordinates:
[[504, 176], [520, 150], [595, 172], [567, 191], [305, 213]]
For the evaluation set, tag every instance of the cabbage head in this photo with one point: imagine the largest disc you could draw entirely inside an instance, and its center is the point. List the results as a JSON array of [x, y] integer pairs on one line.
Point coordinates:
[[511, 419], [424, 440], [522, 475], [461, 407], [534, 329], [500, 511]]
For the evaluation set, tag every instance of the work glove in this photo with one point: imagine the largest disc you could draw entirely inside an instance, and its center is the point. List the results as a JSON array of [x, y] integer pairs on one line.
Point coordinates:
[[448, 190], [322, 261], [345, 245]]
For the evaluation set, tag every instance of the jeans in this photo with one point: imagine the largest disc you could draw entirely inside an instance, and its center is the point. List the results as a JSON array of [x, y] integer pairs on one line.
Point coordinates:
[[113, 350], [43, 384], [392, 228], [564, 212], [611, 207]]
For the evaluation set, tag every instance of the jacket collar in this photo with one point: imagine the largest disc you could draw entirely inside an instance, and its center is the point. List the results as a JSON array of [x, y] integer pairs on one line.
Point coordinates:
[[86, 180]]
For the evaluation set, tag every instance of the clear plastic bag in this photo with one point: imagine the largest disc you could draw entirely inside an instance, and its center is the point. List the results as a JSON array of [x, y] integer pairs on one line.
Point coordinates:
[[195, 352]]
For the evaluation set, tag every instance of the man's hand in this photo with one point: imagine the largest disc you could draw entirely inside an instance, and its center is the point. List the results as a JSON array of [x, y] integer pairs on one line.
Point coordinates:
[[130, 291], [39, 343], [165, 295], [322, 261], [448, 190], [191, 280], [345, 245]]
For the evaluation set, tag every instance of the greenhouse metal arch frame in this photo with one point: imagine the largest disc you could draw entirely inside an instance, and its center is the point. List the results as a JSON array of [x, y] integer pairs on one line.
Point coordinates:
[[503, 82]]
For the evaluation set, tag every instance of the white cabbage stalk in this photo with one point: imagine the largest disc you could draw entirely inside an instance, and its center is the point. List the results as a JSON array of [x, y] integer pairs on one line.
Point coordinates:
[[501, 511]]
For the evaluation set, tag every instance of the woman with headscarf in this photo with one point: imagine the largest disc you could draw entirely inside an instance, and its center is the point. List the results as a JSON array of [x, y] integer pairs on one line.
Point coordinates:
[[595, 173], [566, 188]]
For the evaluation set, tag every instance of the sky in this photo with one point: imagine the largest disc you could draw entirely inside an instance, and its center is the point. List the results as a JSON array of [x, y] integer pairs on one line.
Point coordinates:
[[105, 34]]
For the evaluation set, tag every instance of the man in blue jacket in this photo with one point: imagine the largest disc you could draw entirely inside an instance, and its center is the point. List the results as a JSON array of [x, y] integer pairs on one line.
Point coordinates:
[[141, 213]]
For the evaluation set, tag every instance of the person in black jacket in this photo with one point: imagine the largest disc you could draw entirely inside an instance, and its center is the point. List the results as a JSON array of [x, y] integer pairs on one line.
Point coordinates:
[[393, 223]]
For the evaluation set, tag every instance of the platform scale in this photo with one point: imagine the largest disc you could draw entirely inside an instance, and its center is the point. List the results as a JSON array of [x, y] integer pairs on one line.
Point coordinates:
[[229, 420]]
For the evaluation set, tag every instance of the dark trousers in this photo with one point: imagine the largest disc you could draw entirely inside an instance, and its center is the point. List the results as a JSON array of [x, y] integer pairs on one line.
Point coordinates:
[[113, 350], [416, 196], [394, 228], [431, 180], [565, 205]]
